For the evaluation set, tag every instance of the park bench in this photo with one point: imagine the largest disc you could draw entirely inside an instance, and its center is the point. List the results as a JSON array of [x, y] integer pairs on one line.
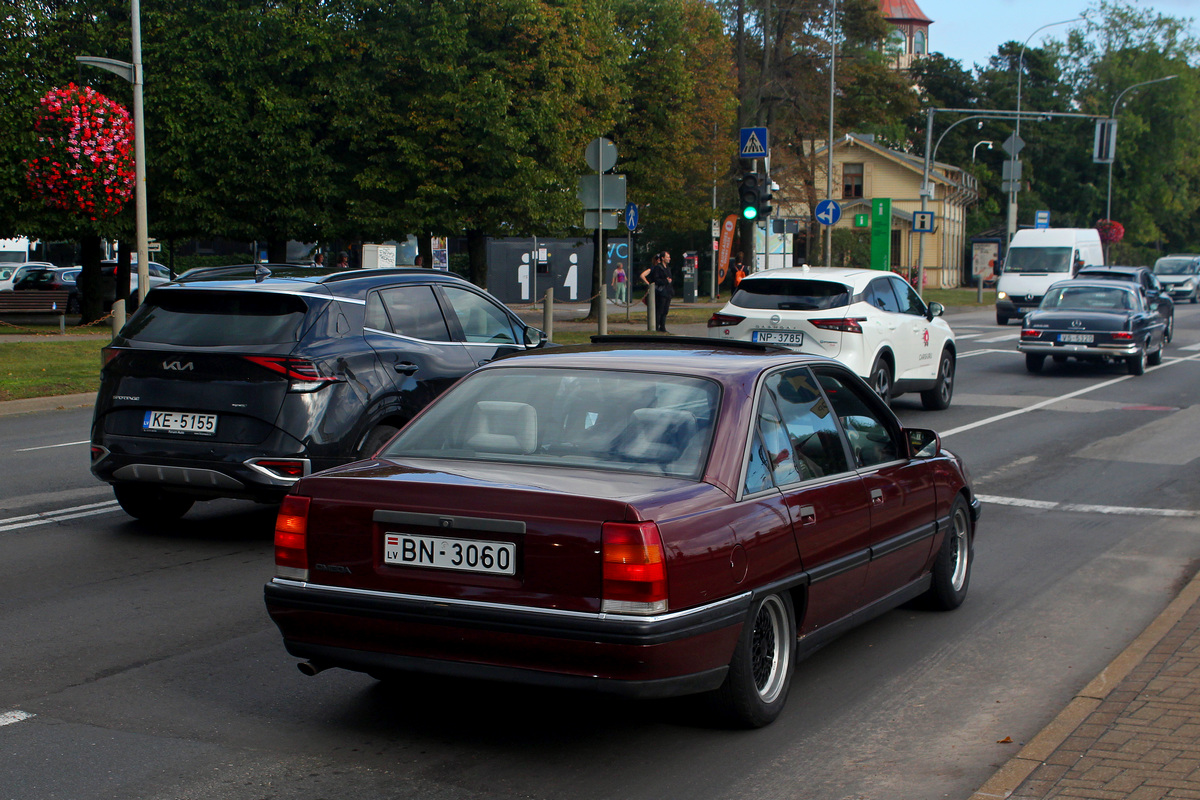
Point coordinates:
[[27, 303]]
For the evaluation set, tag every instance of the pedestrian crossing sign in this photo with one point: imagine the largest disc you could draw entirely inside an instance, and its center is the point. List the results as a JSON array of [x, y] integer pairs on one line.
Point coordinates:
[[753, 143]]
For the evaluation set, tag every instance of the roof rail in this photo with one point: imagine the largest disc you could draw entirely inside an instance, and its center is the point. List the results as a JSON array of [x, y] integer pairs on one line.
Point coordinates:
[[690, 341]]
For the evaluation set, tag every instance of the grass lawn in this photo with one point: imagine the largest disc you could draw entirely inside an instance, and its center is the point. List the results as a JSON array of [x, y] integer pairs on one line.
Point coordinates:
[[103, 326], [46, 369]]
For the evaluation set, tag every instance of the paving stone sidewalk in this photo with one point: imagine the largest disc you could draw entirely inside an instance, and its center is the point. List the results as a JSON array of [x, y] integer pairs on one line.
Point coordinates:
[[1133, 733]]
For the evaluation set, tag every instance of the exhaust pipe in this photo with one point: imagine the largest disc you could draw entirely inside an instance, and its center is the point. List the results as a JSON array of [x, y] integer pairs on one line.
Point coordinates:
[[310, 668]]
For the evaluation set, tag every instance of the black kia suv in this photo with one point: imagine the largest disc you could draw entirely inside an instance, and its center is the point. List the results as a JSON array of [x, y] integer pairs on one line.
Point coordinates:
[[238, 381]]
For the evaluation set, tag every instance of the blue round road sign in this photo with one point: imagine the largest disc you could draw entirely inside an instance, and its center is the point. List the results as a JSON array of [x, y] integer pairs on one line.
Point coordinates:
[[828, 212]]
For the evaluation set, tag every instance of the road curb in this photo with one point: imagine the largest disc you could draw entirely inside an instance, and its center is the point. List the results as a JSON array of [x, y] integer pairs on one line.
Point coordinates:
[[1009, 777], [59, 403]]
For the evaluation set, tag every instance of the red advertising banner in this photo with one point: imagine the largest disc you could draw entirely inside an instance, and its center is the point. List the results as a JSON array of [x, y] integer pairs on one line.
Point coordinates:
[[726, 247]]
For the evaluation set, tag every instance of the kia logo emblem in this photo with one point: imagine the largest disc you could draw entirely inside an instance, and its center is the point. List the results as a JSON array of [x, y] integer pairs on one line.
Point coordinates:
[[177, 366]]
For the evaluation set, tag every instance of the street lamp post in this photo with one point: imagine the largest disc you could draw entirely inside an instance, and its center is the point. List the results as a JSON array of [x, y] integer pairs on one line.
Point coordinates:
[[133, 74], [1012, 181], [976, 147], [1113, 116], [829, 142]]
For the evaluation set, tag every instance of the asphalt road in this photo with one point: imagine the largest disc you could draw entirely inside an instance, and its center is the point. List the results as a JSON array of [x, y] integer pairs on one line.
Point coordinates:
[[139, 663]]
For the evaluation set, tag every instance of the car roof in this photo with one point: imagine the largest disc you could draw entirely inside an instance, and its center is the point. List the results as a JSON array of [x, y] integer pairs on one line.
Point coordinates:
[[294, 278], [681, 355], [1115, 269], [1099, 283], [848, 275]]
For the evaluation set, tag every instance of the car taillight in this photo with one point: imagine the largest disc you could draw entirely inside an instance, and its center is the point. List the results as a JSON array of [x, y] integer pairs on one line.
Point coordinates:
[[302, 374], [283, 467], [1029, 333], [721, 320], [635, 572], [291, 538], [843, 324], [1122, 336], [107, 354]]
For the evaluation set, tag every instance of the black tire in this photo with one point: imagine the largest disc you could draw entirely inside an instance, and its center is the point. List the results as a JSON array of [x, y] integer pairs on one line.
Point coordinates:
[[1169, 333], [1195, 297], [151, 503], [1059, 359], [756, 687], [1155, 358], [938, 398], [1137, 364], [1001, 319], [73, 304], [952, 568], [881, 378], [376, 439], [1033, 362]]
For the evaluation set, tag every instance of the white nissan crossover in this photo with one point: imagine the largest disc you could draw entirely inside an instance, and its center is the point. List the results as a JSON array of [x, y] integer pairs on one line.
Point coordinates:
[[871, 321]]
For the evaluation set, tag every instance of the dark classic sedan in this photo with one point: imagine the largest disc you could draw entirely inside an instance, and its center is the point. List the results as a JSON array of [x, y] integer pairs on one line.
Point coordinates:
[[652, 518], [1094, 320]]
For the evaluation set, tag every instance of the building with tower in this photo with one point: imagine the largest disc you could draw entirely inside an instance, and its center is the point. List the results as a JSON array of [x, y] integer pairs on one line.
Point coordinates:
[[910, 36]]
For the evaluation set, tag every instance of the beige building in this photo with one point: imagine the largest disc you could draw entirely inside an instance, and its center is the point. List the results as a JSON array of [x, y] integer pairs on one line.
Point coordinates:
[[864, 170]]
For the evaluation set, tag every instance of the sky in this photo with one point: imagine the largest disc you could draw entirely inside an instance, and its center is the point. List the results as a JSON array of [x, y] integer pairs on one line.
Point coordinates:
[[971, 30]]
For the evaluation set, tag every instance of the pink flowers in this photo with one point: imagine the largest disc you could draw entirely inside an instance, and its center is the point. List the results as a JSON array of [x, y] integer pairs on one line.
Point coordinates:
[[88, 167], [1110, 230]]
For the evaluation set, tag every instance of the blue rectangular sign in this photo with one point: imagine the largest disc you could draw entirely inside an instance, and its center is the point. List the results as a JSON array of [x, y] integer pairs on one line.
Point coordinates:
[[753, 143]]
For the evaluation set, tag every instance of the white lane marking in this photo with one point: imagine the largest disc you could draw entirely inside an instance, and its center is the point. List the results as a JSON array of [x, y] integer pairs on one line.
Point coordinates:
[[983, 351], [50, 446], [61, 515], [1190, 347], [9, 717], [1053, 400], [1049, 505], [958, 336], [1008, 337]]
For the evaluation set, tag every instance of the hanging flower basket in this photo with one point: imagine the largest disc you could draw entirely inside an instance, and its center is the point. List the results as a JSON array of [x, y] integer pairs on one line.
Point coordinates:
[[86, 164], [1110, 230]]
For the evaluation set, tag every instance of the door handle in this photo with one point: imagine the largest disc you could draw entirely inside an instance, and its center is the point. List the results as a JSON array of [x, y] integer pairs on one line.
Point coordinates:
[[405, 367], [808, 515], [877, 496]]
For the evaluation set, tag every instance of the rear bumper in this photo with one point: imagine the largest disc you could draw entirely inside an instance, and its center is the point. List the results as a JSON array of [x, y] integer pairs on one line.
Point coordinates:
[[671, 654], [1079, 350]]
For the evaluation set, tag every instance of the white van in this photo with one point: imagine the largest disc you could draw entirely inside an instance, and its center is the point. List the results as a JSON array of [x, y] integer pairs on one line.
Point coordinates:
[[1038, 257], [14, 251]]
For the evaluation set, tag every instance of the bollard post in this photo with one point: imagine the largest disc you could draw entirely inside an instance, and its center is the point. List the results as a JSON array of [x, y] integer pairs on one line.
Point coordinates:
[[650, 307], [979, 293], [118, 316], [548, 315]]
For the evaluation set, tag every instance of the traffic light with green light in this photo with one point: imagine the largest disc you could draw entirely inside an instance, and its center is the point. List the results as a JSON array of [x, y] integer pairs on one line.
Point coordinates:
[[749, 193]]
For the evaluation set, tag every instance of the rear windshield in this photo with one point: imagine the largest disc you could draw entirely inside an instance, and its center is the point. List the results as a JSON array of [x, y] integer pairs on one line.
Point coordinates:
[[35, 277], [788, 294], [1090, 298], [593, 419], [212, 319], [1176, 266], [1038, 259]]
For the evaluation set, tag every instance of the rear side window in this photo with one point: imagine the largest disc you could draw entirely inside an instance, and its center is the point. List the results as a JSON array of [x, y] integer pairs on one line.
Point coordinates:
[[36, 277], [212, 319], [409, 311], [786, 294]]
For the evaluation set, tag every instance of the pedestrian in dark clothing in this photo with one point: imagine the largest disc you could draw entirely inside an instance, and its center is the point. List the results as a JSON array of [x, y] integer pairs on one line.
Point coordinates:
[[659, 274]]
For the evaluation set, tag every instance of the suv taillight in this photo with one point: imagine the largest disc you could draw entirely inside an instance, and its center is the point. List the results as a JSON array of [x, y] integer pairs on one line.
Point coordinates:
[[107, 354], [843, 324], [721, 320], [302, 374], [291, 538], [635, 572]]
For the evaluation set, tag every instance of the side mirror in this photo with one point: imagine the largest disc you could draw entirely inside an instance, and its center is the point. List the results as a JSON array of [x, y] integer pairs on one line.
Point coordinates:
[[934, 309], [922, 443], [534, 337]]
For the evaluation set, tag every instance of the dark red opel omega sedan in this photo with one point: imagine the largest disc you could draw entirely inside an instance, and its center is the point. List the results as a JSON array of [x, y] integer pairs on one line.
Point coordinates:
[[654, 519]]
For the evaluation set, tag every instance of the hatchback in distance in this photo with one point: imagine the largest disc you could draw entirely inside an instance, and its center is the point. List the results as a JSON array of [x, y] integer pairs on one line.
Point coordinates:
[[238, 381], [871, 321]]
